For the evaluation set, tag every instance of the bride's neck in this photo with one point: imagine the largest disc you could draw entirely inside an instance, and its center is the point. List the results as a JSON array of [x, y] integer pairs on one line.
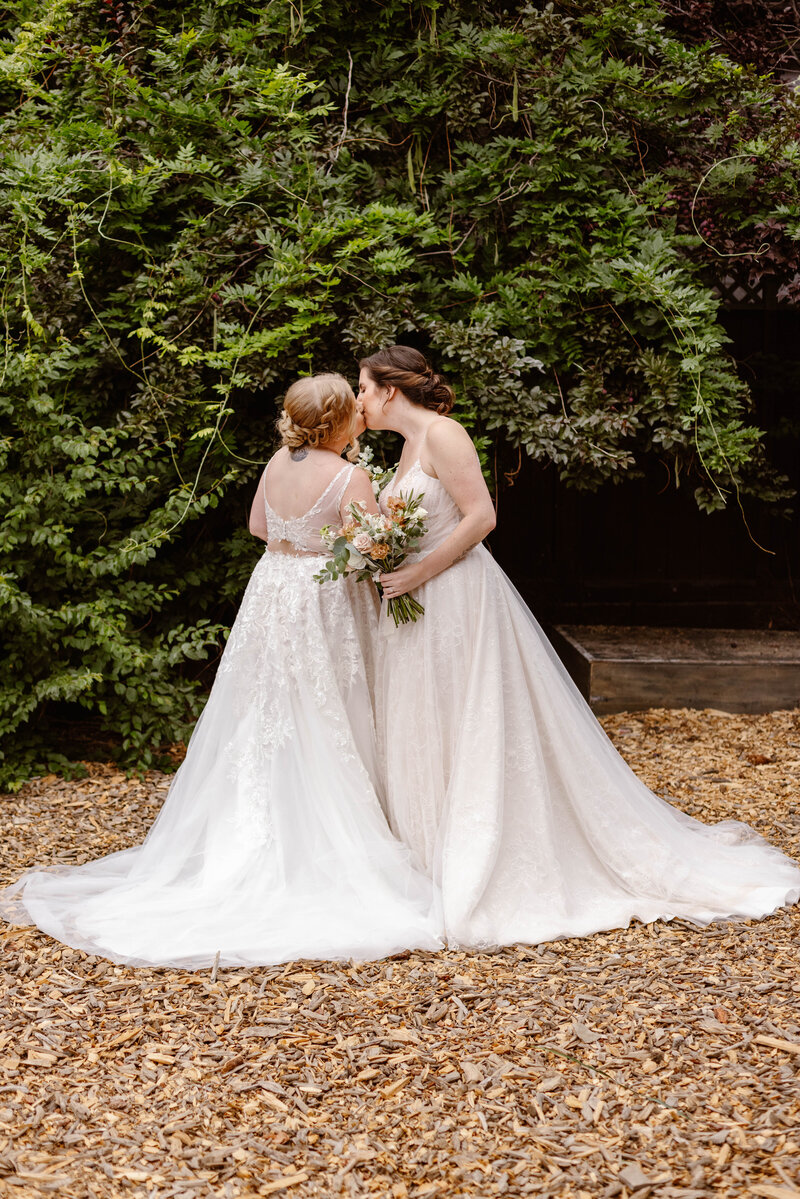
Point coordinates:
[[410, 420]]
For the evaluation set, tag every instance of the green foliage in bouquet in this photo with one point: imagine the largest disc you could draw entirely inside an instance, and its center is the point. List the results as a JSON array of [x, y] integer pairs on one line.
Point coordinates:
[[199, 202], [371, 544]]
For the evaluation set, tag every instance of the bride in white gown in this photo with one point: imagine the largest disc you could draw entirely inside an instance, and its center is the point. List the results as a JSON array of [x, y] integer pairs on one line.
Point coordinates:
[[272, 844], [514, 800]]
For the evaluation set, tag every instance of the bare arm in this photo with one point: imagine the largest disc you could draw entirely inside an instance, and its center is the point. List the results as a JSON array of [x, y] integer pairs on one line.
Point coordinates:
[[258, 513], [452, 455]]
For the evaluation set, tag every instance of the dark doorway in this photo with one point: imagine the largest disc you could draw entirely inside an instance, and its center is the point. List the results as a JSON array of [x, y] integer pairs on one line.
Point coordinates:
[[641, 552]]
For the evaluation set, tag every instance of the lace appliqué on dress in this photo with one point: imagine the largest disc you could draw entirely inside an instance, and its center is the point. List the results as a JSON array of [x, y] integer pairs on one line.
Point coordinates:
[[292, 638]]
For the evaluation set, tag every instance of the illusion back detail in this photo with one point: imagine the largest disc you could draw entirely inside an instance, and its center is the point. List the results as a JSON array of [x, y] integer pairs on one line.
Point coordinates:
[[303, 532]]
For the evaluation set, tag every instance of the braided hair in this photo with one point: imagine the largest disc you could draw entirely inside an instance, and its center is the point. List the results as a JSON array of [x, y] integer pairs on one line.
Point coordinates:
[[318, 409]]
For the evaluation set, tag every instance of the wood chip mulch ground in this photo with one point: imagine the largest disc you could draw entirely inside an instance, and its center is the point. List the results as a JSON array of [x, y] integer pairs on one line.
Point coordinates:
[[659, 1060]]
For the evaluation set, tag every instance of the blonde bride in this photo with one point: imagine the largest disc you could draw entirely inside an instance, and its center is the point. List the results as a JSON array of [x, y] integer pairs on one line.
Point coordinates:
[[271, 844]]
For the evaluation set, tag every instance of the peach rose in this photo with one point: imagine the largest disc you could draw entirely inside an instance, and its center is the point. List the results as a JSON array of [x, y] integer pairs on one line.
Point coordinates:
[[362, 542]]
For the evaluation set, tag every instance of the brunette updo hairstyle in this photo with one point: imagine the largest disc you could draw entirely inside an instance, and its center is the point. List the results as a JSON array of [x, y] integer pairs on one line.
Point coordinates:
[[407, 370], [318, 409]]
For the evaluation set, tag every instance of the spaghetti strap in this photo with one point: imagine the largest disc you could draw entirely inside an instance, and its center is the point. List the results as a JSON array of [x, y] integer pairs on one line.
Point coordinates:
[[348, 474], [347, 467], [267, 508]]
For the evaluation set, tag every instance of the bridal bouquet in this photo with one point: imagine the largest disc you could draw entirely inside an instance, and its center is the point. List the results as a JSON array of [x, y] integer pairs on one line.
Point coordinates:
[[372, 544]]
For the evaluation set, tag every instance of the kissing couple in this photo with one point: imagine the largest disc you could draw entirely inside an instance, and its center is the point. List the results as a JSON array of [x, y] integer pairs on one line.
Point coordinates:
[[352, 790]]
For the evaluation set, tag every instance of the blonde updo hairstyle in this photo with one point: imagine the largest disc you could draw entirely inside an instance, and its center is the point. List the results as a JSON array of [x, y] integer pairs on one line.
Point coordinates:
[[317, 410]]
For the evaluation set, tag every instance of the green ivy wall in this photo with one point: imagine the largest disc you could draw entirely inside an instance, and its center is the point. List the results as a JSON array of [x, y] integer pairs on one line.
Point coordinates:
[[197, 203]]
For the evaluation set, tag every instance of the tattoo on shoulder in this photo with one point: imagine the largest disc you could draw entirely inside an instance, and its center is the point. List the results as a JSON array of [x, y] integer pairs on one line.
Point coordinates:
[[299, 454]]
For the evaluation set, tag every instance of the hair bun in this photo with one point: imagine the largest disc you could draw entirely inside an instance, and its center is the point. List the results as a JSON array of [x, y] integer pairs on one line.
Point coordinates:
[[438, 392]]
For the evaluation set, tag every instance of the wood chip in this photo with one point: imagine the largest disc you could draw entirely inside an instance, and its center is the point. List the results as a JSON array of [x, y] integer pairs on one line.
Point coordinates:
[[634, 1177], [282, 1184], [777, 1043], [655, 1060]]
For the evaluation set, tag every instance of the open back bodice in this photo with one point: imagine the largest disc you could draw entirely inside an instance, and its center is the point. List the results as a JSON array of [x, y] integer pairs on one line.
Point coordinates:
[[302, 533]]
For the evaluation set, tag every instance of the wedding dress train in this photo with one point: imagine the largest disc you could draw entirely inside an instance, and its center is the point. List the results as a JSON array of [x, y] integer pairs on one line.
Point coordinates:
[[272, 844], [504, 785]]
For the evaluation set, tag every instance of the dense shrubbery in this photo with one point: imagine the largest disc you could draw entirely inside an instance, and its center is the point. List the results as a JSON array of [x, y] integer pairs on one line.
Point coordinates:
[[760, 33], [199, 203]]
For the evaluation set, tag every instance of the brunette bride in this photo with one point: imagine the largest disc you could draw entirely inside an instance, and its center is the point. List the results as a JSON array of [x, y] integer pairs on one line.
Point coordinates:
[[512, 798], [271, 844]]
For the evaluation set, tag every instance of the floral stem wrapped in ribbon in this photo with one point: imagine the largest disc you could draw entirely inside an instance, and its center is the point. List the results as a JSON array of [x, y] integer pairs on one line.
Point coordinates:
[[373, 544]]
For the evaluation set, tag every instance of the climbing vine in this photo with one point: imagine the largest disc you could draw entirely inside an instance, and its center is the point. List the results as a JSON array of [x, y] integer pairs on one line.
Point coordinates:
[[197, 204]]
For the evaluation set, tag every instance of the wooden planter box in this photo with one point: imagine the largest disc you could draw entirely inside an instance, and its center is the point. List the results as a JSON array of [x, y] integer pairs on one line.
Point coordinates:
[[619, 668]]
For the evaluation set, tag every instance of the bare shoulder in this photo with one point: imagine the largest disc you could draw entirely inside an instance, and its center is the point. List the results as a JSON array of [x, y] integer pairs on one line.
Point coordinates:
[[359, 475], [278, 460], [359, 487], [446, 437], [358, 480]]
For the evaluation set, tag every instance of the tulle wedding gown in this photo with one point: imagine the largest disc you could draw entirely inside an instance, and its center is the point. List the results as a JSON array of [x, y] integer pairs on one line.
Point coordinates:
[[509, 793], [272, 844]]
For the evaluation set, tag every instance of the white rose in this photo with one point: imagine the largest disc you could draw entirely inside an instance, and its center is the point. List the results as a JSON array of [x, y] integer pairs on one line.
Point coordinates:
[[421, 512]]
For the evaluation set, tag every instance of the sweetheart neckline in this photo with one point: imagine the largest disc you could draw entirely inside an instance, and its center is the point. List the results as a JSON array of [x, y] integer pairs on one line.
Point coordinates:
[[416, 463]]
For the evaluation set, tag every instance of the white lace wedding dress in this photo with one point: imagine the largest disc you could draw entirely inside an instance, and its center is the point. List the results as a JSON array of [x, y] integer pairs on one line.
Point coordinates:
[[272, 844], [508, 791]]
